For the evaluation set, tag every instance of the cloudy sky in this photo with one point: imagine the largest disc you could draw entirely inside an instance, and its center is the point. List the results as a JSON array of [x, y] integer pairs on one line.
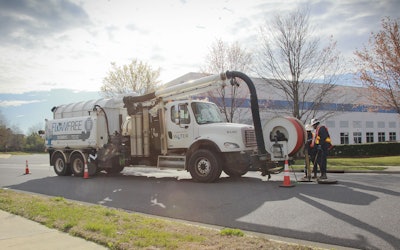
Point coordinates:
[[48, 44]]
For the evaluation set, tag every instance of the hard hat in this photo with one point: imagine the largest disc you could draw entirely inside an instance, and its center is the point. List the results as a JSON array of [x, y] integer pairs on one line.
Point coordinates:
[[314, 121], [309, 127]]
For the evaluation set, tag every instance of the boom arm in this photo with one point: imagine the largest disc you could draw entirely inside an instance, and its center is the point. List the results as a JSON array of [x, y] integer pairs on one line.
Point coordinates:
[[179, 91], [192, 87]]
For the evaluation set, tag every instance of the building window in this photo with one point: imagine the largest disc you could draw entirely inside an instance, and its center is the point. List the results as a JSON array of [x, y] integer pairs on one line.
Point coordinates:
[[369, 124], [330, 124], [369, 137], [357, 137], [392, 124], [344, 138], [381, 137], [381, 124], [392, 136], [356, 124], [344, 124]]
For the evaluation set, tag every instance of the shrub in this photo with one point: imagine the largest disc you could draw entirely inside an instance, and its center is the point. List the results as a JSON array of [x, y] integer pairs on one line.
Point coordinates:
[[366, 150]]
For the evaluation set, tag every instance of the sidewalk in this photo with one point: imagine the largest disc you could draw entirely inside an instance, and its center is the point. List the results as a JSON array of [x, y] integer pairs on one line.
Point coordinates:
[[20, 233]]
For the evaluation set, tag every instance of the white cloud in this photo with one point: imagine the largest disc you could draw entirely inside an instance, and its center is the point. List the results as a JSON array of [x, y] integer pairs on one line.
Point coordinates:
[[70, 44], [16, 103]]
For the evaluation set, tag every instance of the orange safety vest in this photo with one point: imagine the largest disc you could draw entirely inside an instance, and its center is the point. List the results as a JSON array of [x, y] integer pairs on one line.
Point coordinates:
[[316, 139]]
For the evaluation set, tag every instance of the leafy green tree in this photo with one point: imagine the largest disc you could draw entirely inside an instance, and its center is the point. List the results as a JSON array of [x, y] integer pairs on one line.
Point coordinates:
[[34, 143]]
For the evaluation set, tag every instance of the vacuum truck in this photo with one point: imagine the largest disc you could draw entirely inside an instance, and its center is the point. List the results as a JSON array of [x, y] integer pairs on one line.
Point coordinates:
[[167, 129]]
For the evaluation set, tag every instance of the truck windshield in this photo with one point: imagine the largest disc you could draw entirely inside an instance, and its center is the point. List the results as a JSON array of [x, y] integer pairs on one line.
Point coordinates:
[[206, 112]]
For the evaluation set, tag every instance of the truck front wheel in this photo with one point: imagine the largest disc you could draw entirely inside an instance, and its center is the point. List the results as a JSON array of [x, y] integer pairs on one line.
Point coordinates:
[[204, 166], [60, 167]]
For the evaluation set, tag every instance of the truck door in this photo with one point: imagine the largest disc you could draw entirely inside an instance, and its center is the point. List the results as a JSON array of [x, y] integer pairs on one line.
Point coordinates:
[[179, 126]]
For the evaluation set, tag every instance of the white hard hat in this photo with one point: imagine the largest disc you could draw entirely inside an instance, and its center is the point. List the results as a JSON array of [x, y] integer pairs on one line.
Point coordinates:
[[309, 127], [314, 121]]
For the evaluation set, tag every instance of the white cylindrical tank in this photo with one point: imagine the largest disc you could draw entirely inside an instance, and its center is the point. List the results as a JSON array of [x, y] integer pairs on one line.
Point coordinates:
[[113, 107]]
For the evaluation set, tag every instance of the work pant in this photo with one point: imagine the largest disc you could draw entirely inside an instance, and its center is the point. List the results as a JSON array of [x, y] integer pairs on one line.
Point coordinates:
[[321, 159]]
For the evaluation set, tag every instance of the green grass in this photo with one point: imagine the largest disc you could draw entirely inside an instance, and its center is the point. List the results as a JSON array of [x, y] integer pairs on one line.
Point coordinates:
[[370, 161], [231, 231], [352, 164], [118, 229]]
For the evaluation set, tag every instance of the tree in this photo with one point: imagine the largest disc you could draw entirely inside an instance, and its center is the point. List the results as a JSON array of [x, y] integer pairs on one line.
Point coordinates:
[[5, 133], [292, 61], [34, 143], [3, 120], [136, 77], [223, 57], [379, 65]]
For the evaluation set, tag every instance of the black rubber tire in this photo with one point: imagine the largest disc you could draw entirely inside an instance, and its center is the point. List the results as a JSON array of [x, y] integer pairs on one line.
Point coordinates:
[[204, 166], [234, 173], [77, 165], [60, 166], [116, 167]]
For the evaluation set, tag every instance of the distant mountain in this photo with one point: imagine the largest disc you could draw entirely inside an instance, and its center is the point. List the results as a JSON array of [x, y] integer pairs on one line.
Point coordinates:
[[29, 109]]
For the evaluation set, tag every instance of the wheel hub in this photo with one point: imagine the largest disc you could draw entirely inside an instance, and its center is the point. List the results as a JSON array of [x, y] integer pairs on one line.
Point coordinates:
[[203, 167]]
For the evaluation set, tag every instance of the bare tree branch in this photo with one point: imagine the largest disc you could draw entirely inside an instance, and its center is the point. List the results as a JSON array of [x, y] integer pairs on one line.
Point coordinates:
[[292, 61], [222, 57]]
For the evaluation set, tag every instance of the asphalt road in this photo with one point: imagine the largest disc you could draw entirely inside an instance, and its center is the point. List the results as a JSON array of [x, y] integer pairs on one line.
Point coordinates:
[[361, 211]]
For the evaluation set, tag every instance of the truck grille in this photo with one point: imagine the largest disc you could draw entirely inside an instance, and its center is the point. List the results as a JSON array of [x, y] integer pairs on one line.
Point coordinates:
[[250, 138]]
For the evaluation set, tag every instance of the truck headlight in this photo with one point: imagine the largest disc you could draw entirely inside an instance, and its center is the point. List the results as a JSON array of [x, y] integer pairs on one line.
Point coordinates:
[[231, 145]]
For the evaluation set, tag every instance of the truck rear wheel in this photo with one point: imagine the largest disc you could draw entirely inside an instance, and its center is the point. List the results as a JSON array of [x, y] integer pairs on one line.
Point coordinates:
[[204, 166], [60, 167], [116, 166], [77, 164]]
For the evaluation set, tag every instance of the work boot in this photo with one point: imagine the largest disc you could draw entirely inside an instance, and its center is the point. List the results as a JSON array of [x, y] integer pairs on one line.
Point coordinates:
[[323, 176]]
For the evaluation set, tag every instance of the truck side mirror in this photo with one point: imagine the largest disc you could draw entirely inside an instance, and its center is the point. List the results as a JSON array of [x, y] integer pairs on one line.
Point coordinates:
[[41, 132]]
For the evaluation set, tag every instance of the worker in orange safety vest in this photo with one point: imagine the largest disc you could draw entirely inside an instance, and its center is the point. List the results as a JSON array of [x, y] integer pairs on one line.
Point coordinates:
[[322, 144]]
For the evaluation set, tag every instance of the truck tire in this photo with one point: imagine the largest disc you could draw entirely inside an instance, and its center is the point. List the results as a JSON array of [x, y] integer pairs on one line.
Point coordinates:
[[116, 167], [234, 173], [204, 166], [77, 164], [60, 167]]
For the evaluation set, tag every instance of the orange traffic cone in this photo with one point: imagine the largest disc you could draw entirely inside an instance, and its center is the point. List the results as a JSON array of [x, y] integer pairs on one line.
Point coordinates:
[[286, 177], [86, 172], [27, 168]]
